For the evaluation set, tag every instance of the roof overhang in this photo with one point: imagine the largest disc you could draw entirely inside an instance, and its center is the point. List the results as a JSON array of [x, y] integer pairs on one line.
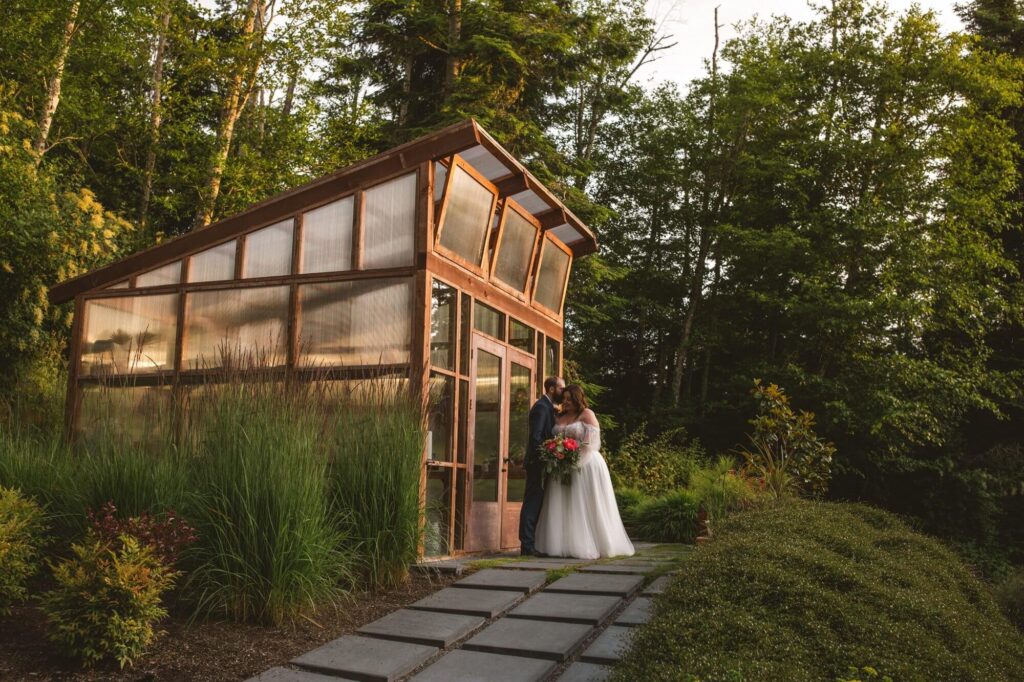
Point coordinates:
[[466, 138]]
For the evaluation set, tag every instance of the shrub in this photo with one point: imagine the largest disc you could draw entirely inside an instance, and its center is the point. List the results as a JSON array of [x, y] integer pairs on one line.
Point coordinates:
[[1009, 594], [167, 534], [107, 600], [21, 530], [721, 491], [629, 501], [801, 590], [669, 518], [653, 466]]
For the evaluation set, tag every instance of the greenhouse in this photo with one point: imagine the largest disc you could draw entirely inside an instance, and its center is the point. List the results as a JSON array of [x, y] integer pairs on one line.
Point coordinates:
[[442, 262]]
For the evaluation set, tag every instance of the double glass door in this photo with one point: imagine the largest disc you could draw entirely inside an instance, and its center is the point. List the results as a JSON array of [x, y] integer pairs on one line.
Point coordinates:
[[501, 394]]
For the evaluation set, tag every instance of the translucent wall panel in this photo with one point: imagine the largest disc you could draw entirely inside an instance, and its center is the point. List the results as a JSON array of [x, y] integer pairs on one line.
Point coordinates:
[[136, 413], [520, 335], [130, 334], [487, 428], [327, 237], [441, 417], [389, 223], [515, 251], [443, 326], [520, 400], [554, 266], [464, 330], [467, 217], [240, 327], [360, 322], [214, 264], [551, 357], [440, 173], [463, 420], [489, 321], [268, 252], [166, 274], [118, 285], [437, 512]]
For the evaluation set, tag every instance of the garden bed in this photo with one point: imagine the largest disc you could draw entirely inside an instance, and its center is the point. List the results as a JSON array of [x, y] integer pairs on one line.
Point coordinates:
[[204, 650]]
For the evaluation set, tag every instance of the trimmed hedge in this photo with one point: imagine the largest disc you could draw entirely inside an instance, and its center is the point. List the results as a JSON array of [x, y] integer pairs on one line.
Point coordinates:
[[805, 590]]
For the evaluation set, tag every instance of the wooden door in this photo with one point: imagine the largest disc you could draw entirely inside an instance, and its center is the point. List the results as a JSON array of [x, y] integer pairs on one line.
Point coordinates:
[[519, 380]]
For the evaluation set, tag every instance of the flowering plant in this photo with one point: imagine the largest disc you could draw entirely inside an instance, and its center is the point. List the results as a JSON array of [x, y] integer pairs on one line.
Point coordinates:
[[560, 456]]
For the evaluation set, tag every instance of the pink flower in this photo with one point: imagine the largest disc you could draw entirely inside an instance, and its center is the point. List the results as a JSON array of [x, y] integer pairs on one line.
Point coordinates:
[[559, 455], [552, 445]]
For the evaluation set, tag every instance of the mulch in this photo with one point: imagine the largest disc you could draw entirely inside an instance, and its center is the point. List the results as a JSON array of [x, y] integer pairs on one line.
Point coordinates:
[[216, 651]]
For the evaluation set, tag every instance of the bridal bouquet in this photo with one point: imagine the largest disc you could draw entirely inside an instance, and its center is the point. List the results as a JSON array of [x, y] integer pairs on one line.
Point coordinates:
[[560, 456]]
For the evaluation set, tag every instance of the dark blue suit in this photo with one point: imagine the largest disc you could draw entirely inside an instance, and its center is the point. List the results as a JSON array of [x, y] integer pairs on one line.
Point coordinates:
[[542, 424]]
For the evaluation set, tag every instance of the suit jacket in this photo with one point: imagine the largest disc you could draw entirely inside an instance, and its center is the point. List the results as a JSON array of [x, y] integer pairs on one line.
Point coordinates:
[[542, 424]]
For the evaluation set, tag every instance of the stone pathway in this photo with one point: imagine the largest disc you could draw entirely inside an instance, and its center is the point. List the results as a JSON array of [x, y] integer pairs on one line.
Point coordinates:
[[509, 623]]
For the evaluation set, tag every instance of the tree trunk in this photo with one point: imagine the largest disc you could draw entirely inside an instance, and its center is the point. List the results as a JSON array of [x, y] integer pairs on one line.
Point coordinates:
[[289, 93], [453, 64], [234, 103], [155, 118], [54, 84], [403, 107]]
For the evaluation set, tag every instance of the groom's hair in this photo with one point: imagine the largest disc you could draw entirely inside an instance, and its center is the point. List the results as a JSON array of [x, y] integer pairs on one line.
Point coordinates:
[[550, 383]]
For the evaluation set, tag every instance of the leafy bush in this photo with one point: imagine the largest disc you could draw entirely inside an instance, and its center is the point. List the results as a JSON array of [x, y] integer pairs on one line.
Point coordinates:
[[721, 491], [629, 501], [107, 600], [653, 466], [669, 518], [21, 530], [1009, 594], [801, 590], [785, 452], [166, 534]]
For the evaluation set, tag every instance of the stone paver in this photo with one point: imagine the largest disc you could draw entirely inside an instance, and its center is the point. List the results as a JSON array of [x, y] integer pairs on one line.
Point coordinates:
[[658, 586], [486, 603], [567, 608], [478, 666], [618, 585], [610, 646], [586, 672], [366, 658], [504, 579], [540, 564], [637, 568], [534, 638], [293, 675], [423, 627], [637, 613]]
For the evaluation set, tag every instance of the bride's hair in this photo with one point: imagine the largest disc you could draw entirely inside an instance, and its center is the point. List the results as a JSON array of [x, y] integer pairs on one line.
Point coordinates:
[[578, 396]]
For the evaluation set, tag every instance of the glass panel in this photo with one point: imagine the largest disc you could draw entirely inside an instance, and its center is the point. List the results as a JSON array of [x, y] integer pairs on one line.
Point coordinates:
[[236, 326], [440, 173], [438, 512], [551, 358], [441, 417], [489, 321], [118, 285], [140, 413], [520, 336], [268, 252], [517, 242], [360, 322], [389, 223], [540, 365], [487, 428], [166, 274], [327, 237], [467, 313], [554, 265], [442, 326], [460, 508], [467, 217], [518, 430], [463, 419], [214, 265], [131, 334]]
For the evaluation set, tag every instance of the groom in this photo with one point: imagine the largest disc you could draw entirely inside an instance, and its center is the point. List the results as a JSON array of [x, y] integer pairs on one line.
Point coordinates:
[[542, 423]]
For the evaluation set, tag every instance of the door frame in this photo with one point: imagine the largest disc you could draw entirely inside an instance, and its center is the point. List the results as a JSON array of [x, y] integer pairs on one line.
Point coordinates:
[[510, 510]]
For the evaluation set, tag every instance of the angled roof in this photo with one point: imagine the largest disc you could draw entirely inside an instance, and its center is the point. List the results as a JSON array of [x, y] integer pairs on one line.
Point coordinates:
[[467, 138]]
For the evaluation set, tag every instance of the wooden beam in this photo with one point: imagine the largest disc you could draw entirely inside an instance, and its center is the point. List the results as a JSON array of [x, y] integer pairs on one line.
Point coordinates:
[[552, 218], [511, 184]]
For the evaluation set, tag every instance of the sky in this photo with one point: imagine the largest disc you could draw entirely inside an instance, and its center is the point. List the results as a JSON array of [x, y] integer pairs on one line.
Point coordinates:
[[691, 24]]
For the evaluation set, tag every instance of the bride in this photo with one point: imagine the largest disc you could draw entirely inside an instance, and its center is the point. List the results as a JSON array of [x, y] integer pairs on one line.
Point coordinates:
[[581, 519]]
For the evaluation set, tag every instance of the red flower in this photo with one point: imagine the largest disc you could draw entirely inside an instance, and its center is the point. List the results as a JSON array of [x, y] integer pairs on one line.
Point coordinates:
[[571, 443], [552, 445]]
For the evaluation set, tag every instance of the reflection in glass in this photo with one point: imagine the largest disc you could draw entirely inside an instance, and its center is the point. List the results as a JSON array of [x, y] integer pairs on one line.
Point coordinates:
[[327, 237], [518, 430], [551, 358], [463, 419], [359, 322], [467, 217], [165, 274], [460, 508], [515, 251], [554, 266], [440, 173], [489, 321], [214, 264], [438, 512], [138, 413], [541, 376], [487, 428], [464, 330], [131, 334], [236, 326], [268, 252], [441, 416], [520, 336], [389, 223], [442, 326]]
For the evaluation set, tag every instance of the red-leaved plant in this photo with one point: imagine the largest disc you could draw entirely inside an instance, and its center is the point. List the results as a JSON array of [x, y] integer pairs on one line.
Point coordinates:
[[167, 534]]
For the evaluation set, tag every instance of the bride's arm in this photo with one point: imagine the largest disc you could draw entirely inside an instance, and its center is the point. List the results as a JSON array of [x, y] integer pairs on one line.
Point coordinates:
[[588, 417]]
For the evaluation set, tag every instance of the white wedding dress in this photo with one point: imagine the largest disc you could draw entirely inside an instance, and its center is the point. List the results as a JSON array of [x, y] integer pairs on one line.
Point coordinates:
[[582, 519]]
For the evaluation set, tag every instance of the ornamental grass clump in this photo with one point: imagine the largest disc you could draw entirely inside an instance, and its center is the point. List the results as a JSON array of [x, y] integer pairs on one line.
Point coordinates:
[[669, 518], [22, 525], [107, 600]]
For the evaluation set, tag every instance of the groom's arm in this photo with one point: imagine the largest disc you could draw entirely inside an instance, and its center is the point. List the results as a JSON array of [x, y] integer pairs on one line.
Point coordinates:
[[538, 424]]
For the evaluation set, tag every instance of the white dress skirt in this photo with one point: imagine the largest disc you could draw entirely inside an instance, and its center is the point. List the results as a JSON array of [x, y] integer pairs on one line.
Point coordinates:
[[582, 519]]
